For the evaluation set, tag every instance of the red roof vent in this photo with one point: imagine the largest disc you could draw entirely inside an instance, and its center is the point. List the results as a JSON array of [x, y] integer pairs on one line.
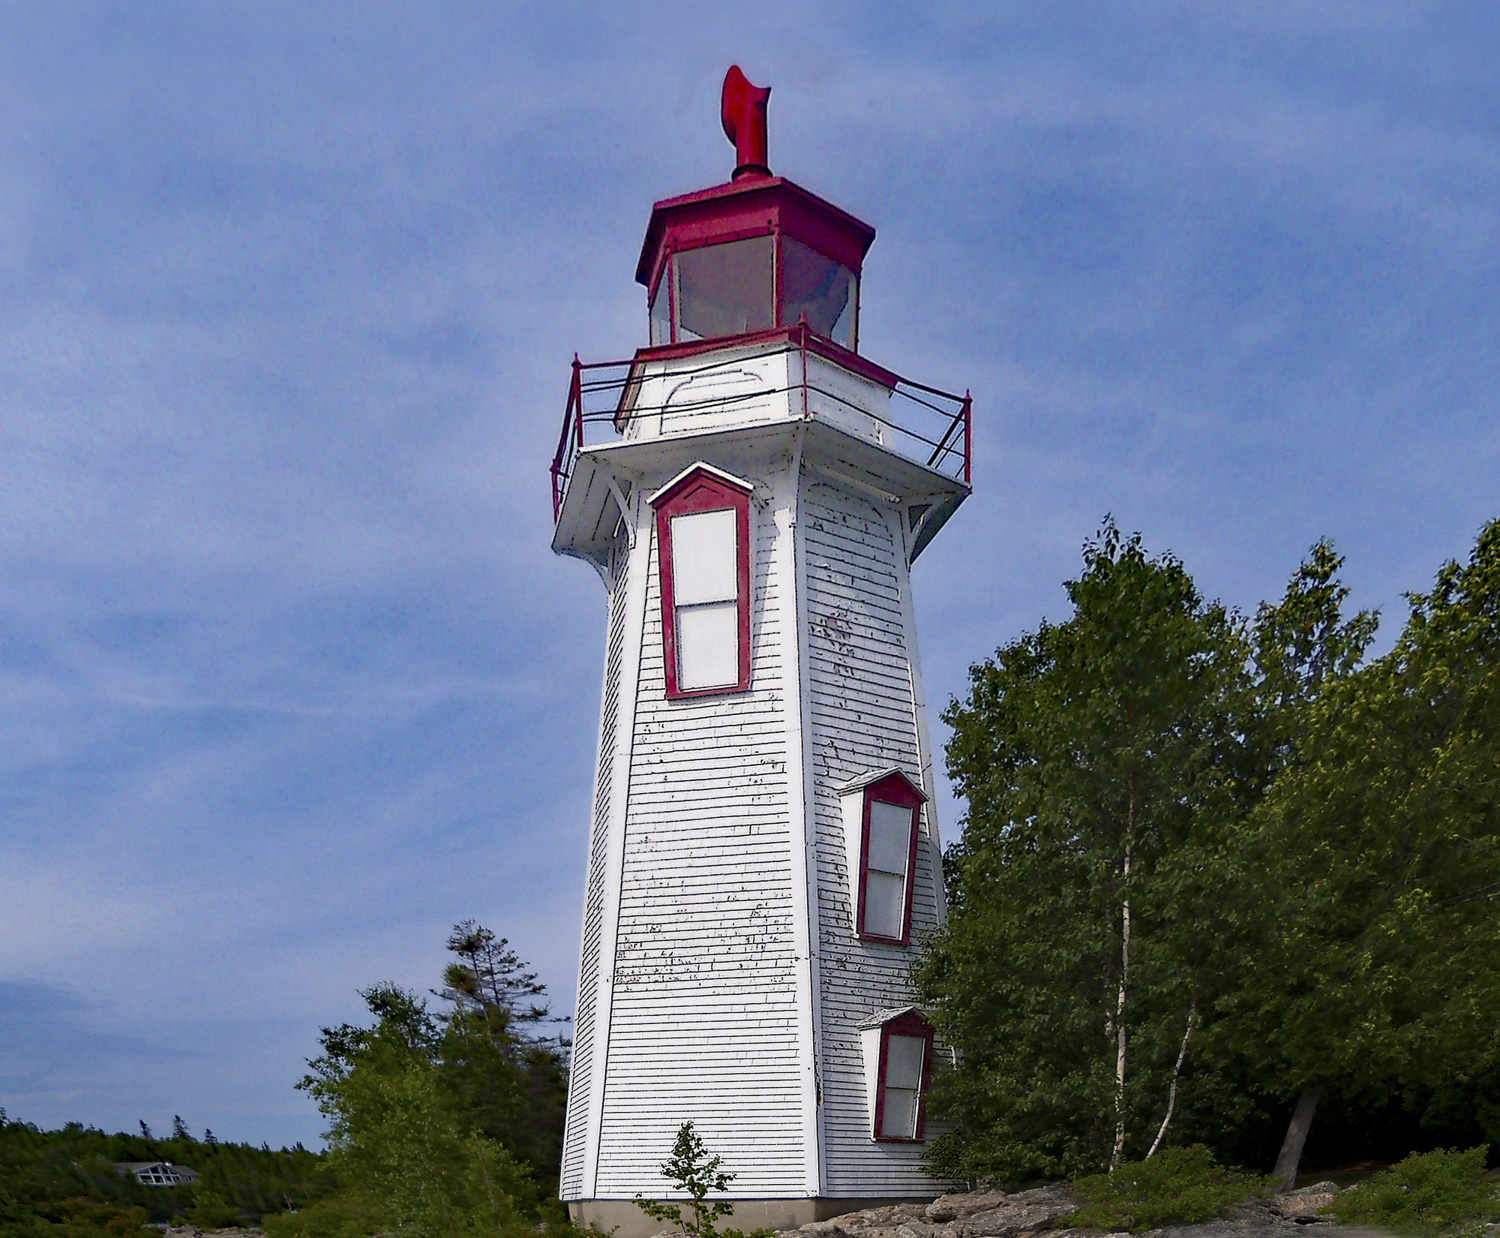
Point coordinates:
[[742, 107], [754, 253]]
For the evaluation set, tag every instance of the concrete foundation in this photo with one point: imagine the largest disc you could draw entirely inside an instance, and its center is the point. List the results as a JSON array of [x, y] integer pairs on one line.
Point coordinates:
[[627, 1221]]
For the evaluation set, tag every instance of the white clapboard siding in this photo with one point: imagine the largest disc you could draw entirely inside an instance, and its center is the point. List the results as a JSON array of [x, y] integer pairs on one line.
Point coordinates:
[[581, 1065], [719, 966], [703, 1023], [864, 718]]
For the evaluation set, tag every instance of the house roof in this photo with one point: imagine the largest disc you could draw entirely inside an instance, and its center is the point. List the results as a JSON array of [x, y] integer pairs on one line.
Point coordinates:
[[135, 1167]]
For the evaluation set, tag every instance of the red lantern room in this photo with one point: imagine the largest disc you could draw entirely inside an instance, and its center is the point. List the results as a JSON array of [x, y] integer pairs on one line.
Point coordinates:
[[756, 253]]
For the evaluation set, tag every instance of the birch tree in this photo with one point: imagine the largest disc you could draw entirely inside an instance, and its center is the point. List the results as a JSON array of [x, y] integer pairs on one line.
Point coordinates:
[[1103, 759], [1119, 907]]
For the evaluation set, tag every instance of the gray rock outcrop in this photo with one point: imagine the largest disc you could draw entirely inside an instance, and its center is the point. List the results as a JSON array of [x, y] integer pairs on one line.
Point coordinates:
[[1302, 1204], [1031, 1213], [982, 1214]]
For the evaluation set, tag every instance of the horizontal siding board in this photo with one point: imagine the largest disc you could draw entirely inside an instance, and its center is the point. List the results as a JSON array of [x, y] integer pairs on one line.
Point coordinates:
[[704, 1006], [863, 717], [585, 1034], [705, 974]]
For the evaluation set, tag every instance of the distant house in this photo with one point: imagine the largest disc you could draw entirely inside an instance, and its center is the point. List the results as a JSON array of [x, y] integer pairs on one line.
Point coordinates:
[[159, 1173]]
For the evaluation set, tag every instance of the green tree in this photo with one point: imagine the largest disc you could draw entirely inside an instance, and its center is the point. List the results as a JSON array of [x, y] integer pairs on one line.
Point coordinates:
[[507, 1072], [1109, 895], [397, 1135], [1302, 645], [1376, 958], [446, 1120], [693, 1170], [1104, 759], [66, 1181]]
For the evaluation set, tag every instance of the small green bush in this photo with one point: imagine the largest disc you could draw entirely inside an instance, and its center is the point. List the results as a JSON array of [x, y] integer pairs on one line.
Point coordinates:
[[344, 1215], [1427, 1193], [690, 1168], [1182, 1185], [211, 1210]]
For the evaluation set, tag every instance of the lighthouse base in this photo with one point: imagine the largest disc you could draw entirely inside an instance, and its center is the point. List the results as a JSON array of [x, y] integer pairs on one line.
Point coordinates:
[[623, 1219]]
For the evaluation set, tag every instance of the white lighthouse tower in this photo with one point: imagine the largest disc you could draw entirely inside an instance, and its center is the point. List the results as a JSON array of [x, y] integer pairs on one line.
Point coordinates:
[[764, 858]]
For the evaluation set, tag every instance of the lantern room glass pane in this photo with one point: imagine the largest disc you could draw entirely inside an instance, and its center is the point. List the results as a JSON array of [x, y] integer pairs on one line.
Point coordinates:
[[725, 289], [661, 318], [820, 288]]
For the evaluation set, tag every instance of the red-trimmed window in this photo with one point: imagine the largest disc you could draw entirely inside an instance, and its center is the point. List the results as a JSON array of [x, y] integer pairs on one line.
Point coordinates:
[[901, 1081], [703, 535], [887, 859]]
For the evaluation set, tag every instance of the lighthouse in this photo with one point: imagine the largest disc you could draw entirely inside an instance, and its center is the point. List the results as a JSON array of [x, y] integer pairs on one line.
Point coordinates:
[[764, 857]]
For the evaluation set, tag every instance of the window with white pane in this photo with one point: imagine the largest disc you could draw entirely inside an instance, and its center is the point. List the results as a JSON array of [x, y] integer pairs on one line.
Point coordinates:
[[884, 850], [898, 1063], [703, 531], [901, 1095]]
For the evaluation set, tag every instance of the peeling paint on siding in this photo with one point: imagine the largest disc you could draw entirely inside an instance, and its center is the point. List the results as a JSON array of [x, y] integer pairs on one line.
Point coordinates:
[[864, 718], [694, 992], [704, 1018]]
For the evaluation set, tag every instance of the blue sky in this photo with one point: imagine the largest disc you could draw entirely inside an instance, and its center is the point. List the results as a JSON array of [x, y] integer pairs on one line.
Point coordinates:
[[288, 293]]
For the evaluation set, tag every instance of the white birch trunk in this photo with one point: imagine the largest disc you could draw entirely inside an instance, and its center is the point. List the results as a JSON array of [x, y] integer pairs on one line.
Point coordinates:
[[1176, 1074], [1121, 1034]]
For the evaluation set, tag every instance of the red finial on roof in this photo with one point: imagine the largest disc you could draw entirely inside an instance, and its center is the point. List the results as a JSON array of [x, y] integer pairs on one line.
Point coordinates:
[[743, 110]]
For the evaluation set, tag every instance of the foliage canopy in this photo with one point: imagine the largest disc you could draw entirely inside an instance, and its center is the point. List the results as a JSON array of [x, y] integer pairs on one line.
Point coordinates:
[[438, 1122], [1211, 862]]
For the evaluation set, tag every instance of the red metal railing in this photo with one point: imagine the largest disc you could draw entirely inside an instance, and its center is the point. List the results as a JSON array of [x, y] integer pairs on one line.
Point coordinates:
[[925, 424]]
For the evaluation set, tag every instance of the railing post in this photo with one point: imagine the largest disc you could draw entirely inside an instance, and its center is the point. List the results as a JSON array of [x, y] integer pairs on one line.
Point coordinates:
[[802, 342], [575, 397], [968, 438]]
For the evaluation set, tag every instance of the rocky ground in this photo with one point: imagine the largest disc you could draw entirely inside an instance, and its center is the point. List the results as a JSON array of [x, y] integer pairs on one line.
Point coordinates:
[[1032, 1213], [1029, 1214], [192, 1231]]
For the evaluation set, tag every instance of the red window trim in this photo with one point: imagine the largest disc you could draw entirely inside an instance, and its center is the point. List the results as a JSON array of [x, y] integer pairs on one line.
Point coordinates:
[[702, 490], [909, 1024], [892, 789]]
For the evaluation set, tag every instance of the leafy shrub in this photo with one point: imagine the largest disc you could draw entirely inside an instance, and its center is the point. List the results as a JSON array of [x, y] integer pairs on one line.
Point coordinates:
[[210, 1210], [1183, 1185], [690, 1168], [346, 1215], [87, 1218], [1426, 1193]]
